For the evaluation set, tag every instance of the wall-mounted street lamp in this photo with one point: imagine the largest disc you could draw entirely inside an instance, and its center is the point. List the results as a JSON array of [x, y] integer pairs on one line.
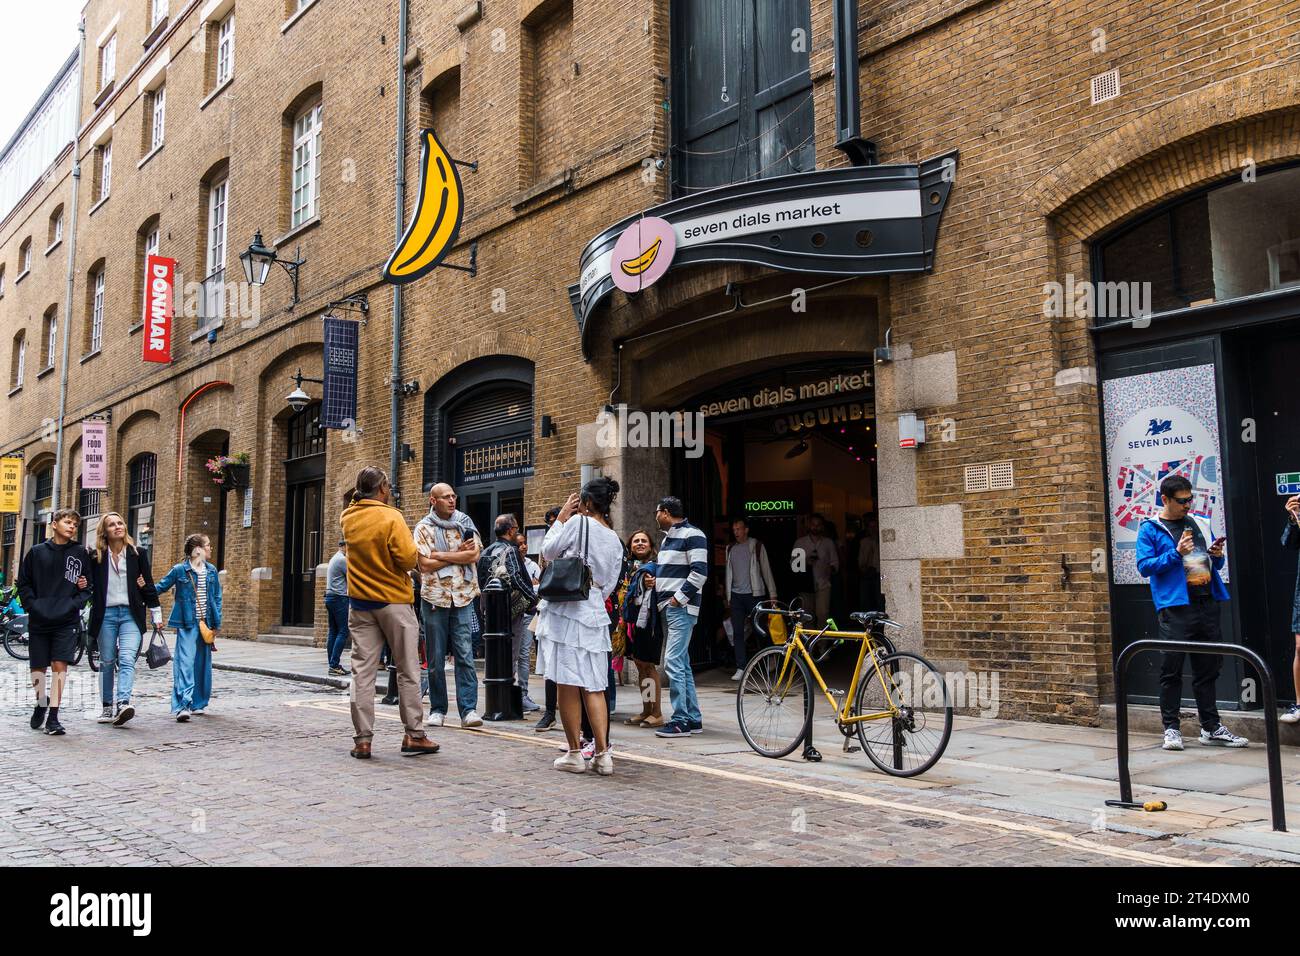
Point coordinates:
[[257, 262], [298, 399]]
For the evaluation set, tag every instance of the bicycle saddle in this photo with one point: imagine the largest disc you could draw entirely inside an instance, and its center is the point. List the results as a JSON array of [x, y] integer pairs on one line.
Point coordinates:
[[865, 618]]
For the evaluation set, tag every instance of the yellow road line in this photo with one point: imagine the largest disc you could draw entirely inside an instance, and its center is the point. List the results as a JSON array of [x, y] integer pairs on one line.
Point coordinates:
[[1067, 840]]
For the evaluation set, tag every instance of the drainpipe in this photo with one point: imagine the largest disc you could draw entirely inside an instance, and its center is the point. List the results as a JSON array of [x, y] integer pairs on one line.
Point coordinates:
[[65, 326], [848, 127], [396, 381]]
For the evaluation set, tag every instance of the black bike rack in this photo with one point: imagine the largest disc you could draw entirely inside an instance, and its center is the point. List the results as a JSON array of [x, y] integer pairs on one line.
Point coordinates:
[[1194, 647]]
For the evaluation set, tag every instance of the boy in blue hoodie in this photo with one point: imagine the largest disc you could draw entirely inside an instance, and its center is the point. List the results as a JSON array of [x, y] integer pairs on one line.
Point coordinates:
[[1174, 551]]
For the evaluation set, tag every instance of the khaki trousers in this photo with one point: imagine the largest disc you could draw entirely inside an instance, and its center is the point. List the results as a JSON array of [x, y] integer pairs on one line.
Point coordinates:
[[396, 624]]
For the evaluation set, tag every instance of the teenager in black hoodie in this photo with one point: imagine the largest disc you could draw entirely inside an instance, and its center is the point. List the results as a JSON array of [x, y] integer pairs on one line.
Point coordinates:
[[54, 586]]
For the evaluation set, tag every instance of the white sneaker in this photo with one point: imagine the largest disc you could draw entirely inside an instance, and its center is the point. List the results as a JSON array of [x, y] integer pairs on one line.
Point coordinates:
[[1292, 715], [738, 675], [106, 715], [1222, 737], [183, 715], [588, 749], [1173, 740], [435, 719], [603, 762], [472, 719], [571, 762], [198, 712]]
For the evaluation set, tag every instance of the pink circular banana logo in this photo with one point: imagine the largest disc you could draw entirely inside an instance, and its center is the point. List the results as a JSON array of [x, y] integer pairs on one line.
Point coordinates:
[[643, 254]]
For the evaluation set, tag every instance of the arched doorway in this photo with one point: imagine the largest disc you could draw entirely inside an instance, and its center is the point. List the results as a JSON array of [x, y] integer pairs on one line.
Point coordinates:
[[304, 475], [479, 436]]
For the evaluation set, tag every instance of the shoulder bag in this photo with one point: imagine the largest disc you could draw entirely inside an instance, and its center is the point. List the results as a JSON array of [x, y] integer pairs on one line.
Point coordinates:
[[567, 579]]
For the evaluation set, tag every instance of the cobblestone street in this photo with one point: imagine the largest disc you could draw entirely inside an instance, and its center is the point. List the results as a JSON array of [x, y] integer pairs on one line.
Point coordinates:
[[265, 778]]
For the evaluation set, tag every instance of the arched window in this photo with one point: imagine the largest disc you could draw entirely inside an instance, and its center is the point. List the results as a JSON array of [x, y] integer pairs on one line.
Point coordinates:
[[19, 362], [1230, 240], [142, 489]]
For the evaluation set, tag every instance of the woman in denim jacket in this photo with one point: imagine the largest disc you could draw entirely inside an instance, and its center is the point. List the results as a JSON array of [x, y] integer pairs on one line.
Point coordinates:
[[198, 597]]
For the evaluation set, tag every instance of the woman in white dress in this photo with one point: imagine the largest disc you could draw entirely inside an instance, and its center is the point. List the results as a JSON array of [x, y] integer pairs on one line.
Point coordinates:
[[573, 636]]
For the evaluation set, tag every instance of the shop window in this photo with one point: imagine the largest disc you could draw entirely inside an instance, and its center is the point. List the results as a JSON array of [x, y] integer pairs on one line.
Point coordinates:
[[89, 506], [8, 545], [306, 437], [1232, 240], [142, 491], [42, 503], [742, 91]]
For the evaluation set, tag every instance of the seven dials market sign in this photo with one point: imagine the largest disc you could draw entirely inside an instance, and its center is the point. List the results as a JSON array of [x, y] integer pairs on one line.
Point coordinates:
[[850, 221]]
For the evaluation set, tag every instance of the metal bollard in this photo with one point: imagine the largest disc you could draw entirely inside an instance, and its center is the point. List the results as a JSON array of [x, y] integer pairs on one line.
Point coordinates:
[[503, 698]]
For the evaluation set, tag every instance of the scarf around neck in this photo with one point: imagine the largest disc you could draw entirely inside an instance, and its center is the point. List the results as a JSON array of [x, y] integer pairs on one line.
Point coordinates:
[[458, 521]]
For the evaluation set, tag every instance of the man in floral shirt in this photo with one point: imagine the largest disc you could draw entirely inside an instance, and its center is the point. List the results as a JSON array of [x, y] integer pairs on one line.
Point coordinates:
[[449, 547]]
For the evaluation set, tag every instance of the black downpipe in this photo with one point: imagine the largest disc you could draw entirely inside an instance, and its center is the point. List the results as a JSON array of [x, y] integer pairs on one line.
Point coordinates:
[[848, 125]]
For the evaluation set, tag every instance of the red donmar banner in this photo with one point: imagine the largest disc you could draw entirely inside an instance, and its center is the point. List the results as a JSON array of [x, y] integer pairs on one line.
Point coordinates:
[[159, 301]]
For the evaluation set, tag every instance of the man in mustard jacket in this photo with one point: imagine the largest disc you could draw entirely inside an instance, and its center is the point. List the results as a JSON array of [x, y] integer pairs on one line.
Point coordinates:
[[381, 554]]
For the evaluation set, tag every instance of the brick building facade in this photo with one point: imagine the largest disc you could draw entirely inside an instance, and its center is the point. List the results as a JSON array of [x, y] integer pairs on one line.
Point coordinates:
[[579, 114]]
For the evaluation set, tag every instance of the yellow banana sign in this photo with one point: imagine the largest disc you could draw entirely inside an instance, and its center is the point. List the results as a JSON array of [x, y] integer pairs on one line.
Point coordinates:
[[438, 211], [639, 264]]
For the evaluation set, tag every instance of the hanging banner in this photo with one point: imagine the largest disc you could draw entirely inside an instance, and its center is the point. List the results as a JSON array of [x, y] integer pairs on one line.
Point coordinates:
[[339, 409], [159, 303], [11, 485], [1160, 424], [94, 455]]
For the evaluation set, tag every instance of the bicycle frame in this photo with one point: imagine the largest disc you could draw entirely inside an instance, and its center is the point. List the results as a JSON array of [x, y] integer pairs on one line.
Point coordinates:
[[842, 714]]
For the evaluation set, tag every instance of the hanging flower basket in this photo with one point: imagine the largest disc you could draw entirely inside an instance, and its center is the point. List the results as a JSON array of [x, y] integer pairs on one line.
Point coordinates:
[[229, 472]]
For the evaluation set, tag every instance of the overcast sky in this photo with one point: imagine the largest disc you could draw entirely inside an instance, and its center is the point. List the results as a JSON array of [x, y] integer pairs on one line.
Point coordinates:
[[35, 39]]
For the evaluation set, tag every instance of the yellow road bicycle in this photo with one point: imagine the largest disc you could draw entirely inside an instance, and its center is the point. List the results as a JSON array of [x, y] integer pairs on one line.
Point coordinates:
[[897, 703]]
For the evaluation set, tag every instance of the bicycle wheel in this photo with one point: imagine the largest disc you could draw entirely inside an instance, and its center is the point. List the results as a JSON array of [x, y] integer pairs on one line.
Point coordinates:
[[911, 743], [92, 651], [80, 651], [15, 640], [774, 719]]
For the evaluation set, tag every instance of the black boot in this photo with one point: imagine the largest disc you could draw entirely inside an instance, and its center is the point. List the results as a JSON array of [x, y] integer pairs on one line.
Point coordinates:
[[391, 697]]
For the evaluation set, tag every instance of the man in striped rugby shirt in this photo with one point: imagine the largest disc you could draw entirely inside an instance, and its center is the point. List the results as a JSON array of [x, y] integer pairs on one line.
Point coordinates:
[[680, 572]]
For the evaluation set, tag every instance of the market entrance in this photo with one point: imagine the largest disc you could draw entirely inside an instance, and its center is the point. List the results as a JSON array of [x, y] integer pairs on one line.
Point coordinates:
[[782, 448]]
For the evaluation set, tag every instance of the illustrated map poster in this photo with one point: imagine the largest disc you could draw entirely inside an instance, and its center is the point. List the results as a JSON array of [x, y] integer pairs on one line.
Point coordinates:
[[1158, 424]]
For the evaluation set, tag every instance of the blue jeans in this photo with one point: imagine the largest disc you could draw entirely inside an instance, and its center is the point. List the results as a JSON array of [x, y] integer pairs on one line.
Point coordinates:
[[119, 645], [336, 606], [191, 671], [441, 626], [679, 622]]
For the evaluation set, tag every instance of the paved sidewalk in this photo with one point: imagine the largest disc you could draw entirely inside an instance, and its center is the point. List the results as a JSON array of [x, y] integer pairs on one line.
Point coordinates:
[[1056, 772]]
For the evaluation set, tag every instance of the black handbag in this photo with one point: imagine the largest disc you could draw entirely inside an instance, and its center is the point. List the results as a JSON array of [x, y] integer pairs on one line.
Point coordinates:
[[567, 579], [158, 653]]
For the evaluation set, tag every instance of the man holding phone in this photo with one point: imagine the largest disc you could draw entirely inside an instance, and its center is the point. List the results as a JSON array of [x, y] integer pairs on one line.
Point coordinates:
[[1185, 586]]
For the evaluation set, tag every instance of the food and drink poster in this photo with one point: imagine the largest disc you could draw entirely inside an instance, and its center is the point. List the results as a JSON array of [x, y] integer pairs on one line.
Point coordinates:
[[1158, 424]]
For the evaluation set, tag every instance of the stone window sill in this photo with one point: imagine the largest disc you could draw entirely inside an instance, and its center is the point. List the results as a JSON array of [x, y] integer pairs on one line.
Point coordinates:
[[95, 208], [44, 372], [297, 16], [221, 88], [203, 332], [90, 355], [53, 246], [103, 94], [156, 32], [14, 391], [135, 328], [298, 230], [150, 155], [22, 275]]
